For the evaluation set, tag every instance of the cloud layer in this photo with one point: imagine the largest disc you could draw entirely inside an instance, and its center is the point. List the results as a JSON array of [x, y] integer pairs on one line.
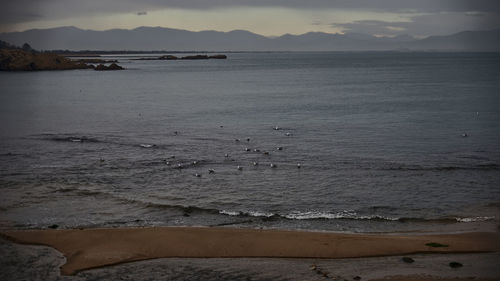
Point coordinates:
[[425, 25], [427, 16]]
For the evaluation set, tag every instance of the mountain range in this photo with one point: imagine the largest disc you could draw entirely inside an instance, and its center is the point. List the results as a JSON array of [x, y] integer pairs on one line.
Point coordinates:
[[159, 38]]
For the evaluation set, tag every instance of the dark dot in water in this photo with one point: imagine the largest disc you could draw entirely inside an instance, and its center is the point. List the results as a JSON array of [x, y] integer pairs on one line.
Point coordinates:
[[455, 264], [407, 259]]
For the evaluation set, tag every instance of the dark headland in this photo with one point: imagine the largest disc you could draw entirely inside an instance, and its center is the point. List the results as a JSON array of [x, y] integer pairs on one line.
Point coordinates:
[[13, 58]]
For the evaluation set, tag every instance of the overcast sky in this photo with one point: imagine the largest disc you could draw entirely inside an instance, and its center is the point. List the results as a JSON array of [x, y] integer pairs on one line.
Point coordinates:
[[267, 17]]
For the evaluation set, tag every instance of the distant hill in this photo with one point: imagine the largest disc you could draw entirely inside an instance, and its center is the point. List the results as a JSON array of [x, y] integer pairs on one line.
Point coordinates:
[[158, 38], [466, 40]]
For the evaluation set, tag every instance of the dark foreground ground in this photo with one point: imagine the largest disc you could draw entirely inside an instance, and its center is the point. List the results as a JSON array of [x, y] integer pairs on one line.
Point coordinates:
[[26, 262]]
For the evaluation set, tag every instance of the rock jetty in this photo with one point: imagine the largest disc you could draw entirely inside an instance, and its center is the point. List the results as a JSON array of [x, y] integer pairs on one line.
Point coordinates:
[[194, 57], [95, 61]]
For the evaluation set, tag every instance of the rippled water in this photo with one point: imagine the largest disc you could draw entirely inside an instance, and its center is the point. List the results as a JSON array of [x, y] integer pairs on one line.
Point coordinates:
[[385, 142]]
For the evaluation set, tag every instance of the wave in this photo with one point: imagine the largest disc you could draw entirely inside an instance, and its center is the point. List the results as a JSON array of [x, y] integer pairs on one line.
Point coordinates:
[[74, 138], [188, 210], [68, 138], [475, 219], [340, 215], [350, 215], [302, 215], [246, 214]]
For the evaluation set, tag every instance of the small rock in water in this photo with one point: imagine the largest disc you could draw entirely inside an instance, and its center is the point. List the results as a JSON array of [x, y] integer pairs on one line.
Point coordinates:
[[179, 166], [279, 148], [226, 155], [236, 140], [256, 150], [197, 175], [407, 259], [54, 226], [299, 166], [195, 162], [255, 163], [313, 267], [266, 152], [464, 135], [167, 163], [357, 278], [239, 168], [211, 171], [247, 149], [455, 264], [273, 165], [436, 245], [276, 128], [288, 134], [248, 139]]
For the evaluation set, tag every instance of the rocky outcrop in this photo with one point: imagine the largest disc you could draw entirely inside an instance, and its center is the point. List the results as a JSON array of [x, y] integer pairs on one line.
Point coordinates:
[[196, 57], [204, 57], [168, 57], [113, 66], [22, 60], [95, 61], [219, 57]]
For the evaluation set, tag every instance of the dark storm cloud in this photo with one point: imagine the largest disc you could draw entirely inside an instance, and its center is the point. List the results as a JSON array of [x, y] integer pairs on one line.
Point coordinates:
[[26, 10], [429, 24], [19, 11]]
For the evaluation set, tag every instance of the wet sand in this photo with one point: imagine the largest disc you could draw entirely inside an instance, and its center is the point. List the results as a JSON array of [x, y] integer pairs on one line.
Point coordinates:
[[29, 262], [92, 248]]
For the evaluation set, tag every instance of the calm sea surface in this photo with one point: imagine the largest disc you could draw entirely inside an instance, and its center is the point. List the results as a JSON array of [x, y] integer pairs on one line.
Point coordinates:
[[385, 142]]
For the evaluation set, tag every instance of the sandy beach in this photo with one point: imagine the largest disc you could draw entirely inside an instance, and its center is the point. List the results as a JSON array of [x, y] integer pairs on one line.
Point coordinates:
[[93, 248]]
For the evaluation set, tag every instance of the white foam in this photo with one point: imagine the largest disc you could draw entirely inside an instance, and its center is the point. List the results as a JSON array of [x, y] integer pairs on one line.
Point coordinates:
[[474, 219], [259, 214], [229, 213], [328, 215], [249, 213], [319, 215]]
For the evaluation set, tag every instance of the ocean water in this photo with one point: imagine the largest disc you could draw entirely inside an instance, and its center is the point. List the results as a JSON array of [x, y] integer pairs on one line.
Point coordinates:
[[386, 142]]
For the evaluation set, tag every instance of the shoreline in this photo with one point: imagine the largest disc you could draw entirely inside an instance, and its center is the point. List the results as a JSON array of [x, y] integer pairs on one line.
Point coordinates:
[[95, 248]]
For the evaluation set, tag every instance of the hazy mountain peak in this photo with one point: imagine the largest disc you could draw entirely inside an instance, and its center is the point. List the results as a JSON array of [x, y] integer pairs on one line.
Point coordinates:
[[147, 38]]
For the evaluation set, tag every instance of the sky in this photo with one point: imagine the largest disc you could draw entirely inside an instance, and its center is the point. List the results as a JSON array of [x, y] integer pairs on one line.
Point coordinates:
[[418, 18]]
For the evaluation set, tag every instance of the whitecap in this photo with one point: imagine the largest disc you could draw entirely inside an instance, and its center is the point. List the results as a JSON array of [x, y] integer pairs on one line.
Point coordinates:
[[474, 219]]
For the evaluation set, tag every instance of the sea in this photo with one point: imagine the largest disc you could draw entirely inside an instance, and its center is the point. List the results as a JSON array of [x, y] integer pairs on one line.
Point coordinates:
[[369, 142]]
